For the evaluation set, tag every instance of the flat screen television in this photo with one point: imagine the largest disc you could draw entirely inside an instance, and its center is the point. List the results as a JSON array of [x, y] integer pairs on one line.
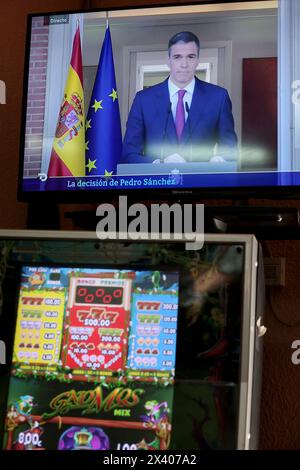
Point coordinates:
[[93, 128], [114, 345]]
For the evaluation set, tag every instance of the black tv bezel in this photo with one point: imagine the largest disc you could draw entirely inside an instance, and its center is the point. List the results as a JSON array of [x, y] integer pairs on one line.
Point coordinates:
[[150, 194]]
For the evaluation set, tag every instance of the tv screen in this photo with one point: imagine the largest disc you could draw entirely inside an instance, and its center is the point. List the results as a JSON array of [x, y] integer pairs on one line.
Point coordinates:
[[113, 346], [192, 97]]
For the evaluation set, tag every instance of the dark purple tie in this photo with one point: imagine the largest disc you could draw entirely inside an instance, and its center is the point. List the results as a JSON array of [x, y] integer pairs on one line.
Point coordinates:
[[179, 118]]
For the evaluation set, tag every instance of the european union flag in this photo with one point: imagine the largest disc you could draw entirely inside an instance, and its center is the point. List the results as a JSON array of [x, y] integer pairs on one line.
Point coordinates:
[[103, 125]]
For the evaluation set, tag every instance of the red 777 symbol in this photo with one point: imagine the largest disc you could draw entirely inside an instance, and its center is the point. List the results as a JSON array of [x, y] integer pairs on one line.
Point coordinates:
[[148, 305], [99, 313], [32, 300]]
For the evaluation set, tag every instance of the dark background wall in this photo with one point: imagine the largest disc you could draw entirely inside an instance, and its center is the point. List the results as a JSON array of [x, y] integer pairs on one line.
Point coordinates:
[[280, 405]]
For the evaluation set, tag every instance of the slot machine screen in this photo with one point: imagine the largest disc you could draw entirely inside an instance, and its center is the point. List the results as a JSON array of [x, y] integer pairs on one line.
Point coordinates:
[[93, 359]]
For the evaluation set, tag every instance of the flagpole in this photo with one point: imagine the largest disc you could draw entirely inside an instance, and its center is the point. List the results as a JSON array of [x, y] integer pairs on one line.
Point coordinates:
[[106, 19]]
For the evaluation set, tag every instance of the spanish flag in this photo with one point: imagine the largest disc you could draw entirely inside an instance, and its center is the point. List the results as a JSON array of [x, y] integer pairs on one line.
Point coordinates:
[[68, 150]]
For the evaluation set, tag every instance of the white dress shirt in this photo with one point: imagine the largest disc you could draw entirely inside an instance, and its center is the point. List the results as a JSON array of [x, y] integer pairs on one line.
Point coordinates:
[[173, 93]]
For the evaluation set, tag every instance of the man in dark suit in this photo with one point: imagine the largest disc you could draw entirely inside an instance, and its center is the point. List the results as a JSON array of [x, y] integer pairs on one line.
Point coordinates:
[[183, 118]]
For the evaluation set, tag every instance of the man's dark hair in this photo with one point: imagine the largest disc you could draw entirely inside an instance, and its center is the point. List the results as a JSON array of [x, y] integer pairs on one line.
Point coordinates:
[[184, 36]]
